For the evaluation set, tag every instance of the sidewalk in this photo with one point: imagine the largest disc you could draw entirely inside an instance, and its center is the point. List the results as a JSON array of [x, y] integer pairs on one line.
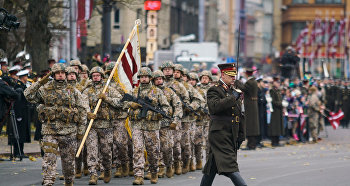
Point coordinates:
[[32, 148]]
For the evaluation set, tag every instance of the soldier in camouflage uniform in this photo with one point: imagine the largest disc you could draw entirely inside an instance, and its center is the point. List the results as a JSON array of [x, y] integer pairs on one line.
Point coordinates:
[[120, 134], [168, 69], [145, 130], [198, 127], [167, 126], [188, 120], [101, 133], [205, 78], [63, 116], [314, 110], [84, 81]]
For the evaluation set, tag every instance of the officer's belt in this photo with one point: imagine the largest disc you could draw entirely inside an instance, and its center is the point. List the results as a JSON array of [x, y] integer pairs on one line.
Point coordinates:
[[254, 99], [214, 117]]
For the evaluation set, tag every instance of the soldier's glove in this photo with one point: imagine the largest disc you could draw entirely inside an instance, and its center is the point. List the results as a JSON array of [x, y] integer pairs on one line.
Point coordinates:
[[239, 143], [45, 79], [159, 116], [91, 115], [135, 105], [172, 126], [102, 96]]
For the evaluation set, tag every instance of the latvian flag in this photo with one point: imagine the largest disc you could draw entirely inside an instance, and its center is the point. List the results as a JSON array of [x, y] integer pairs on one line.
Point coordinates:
[[335, 118], [130, 63]]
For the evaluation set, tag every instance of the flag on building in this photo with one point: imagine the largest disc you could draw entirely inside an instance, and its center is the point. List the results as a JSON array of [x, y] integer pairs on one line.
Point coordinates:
[[84, 12]]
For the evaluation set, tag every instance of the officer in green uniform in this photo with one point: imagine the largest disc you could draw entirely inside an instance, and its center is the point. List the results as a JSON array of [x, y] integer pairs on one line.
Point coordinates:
[[227, 129]]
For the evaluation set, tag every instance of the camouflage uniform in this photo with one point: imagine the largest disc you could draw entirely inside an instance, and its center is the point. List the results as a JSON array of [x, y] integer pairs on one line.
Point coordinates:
[[145, 131], [198, 127], [120, 144], [183, 94], [167, 135], [188, 121], [313, 113], [101, 133], [63, 116], [205, 123]]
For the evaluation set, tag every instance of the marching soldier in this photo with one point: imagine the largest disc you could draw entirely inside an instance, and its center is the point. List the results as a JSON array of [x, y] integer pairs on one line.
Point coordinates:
[[167, 126], [206, 78], [188, 119], [227, 129], [120, 134], [198, 127], [250, 90], [101, 133], [63, 116], [168, 69], [145, 129]]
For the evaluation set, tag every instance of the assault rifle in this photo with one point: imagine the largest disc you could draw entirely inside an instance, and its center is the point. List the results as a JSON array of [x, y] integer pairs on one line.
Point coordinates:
[[146, 105], [189, 108]]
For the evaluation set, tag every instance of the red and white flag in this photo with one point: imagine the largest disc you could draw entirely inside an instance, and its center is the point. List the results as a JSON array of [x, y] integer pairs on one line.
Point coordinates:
[[130, 64], [84, 12], [335, 118]]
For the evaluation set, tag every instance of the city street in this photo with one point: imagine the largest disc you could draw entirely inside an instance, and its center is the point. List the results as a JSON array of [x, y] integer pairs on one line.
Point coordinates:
[[326, 163]]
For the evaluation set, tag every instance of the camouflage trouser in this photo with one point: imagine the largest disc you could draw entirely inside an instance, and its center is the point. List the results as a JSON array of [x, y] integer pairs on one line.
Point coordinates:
[[313, 125], [206, 139], [142, 139], [82, 157], [197, 142], [67, 148], [166, 147], [177, 144], [120, 143], [186, 141], [99, 139]]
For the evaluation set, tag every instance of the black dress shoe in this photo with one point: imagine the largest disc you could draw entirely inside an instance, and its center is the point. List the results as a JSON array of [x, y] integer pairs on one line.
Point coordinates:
[[277, 145]]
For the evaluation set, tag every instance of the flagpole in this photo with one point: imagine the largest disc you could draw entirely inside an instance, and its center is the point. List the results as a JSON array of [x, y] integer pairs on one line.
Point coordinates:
[[137, 23]]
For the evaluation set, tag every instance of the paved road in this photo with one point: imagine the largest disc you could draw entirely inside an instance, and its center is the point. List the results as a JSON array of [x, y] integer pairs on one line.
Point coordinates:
[[324, 164]]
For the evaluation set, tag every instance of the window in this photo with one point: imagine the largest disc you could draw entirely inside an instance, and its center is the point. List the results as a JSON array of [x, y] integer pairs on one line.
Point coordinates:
[[138, 13], [116, 24], [296, 28], [328, 1], [300, 1]]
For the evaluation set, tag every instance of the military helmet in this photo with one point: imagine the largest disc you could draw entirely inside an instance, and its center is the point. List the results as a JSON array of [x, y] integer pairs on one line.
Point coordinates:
[[158, 73], [97, 70], [206, 73], [110, 66], [57, 67], [75, 62], [71, 70], [167, 64], [185, 71], [85, 68], [179, 67], [145, 71], [194, 76]]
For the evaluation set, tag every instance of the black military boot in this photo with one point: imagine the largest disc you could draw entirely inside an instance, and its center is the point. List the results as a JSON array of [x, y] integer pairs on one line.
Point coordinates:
[[236, 179]]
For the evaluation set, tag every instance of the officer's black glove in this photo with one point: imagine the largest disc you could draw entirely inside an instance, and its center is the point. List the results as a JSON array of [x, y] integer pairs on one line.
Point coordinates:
[[239, 143]]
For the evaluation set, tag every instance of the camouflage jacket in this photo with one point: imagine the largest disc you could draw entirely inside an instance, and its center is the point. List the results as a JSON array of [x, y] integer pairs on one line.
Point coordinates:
[[122, 112], [175, 107], [107, 110], [180, 90], [63, 110], [196, 101], [151, 122]]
